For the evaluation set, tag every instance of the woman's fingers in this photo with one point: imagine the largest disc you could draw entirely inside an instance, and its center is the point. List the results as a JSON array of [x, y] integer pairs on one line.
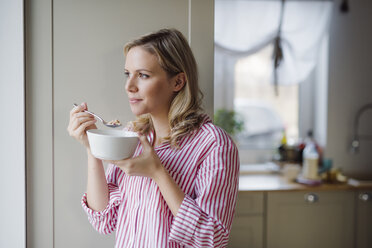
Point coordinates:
[[117, 162], [130, 166], [77, 112], [81, 121], [81, 129], [77, 109], [81, 117], [77, 119], [82, 114]]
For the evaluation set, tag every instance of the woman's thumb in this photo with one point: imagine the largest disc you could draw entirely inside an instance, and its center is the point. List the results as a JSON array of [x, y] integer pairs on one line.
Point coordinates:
[[84, 105]]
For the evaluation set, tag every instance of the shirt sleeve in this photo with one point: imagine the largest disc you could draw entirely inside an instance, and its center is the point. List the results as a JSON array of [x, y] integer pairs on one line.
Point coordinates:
[[206, 220], [105, 221]]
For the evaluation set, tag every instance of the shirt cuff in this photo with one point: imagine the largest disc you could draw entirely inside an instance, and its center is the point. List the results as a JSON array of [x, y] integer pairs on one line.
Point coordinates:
[[114, 201], [185, 222]]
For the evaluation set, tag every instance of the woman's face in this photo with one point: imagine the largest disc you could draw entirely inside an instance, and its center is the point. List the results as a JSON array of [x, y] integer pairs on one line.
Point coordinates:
[[148, 86]]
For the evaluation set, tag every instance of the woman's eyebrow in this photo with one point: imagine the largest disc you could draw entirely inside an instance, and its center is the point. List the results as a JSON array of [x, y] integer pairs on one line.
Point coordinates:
[[144, 70], [139, 70]]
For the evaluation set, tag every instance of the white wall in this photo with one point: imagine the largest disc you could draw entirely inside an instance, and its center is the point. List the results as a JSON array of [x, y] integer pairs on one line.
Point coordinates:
[[74, 53], [350, 85], [12, 126]]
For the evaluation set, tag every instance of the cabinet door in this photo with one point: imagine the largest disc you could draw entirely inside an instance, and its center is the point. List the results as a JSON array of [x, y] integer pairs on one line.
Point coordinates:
[[247, 231], [247, 227], [310, 219], [249, 203], [364, 219]]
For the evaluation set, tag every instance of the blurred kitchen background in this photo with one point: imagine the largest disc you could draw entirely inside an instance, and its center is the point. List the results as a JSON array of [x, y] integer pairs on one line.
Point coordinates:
[[322, 79], [57, 52]]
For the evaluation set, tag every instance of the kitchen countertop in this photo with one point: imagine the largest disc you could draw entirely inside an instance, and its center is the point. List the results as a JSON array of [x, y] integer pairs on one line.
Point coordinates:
[[277, 182]]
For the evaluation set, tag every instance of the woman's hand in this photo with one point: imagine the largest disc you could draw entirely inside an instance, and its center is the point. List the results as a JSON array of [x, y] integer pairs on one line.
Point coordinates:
[[79, 123], [147, 164]]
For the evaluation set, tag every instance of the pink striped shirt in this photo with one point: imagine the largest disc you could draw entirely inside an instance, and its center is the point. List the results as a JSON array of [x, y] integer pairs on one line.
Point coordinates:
[[206, 167]]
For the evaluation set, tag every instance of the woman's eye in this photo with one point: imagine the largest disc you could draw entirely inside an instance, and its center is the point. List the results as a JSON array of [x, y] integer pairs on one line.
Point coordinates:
[[142, 75], [126, 74]]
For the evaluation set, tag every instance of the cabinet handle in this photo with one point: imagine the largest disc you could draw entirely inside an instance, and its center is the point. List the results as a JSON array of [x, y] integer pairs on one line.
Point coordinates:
[[365, 196], [311, 198]]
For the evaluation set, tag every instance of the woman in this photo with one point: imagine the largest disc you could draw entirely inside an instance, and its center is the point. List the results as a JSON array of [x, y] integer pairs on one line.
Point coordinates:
[[179, 189]]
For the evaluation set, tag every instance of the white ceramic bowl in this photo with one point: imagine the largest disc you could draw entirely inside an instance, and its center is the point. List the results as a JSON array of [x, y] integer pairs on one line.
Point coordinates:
[[112, 144]]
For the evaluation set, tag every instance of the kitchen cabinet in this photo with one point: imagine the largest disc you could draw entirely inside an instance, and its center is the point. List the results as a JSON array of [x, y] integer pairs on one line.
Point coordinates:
[[310, 219], [273, 212], [363, 219], [248, 229]]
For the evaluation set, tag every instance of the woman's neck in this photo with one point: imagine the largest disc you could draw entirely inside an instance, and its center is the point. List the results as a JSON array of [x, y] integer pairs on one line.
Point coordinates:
[[161, 128]]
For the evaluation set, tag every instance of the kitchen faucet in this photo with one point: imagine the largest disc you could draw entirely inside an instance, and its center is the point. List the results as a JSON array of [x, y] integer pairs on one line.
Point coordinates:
[[355, 143]]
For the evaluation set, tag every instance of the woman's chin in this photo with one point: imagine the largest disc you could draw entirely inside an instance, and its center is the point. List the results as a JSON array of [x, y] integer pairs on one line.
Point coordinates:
[[137, 112]]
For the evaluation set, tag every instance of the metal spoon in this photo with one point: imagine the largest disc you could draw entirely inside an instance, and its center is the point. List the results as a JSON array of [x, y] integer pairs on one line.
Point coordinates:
[[99, 118]]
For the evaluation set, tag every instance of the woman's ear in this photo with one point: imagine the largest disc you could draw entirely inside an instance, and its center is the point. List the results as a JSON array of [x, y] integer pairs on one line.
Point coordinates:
[[179, 82]]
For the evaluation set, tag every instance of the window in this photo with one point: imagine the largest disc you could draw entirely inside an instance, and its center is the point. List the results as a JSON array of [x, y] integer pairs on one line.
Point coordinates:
[[244, 71], [266, 115]]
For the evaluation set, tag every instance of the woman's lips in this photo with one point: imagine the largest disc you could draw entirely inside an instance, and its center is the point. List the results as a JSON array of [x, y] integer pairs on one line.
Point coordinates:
[[134, 100]]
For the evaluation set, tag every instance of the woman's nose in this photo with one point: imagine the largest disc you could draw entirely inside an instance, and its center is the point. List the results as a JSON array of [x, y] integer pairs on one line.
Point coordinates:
[[130, 85]]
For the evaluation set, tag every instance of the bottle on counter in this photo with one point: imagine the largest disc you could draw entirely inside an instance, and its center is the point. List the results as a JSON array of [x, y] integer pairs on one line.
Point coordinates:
[[283, 147], [311, 158]]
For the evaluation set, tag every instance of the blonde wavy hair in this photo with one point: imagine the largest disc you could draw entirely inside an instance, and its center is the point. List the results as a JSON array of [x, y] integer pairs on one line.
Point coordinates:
[[174, 56]]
